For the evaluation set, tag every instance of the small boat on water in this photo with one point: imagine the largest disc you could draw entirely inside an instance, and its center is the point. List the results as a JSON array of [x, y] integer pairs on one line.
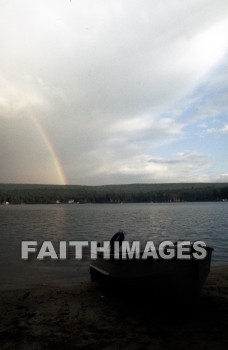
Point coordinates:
[[179, 277]]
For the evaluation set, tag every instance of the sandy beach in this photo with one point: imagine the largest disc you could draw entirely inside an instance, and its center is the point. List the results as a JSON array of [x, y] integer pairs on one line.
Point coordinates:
[[87, 316]]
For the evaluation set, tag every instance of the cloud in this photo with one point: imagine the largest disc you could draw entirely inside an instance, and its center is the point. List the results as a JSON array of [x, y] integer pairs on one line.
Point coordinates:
[[223, 130], [186, 167], [110, 83], [190, 159]]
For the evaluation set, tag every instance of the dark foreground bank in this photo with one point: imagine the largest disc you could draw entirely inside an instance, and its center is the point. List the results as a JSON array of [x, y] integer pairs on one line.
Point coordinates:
[[87, 316]]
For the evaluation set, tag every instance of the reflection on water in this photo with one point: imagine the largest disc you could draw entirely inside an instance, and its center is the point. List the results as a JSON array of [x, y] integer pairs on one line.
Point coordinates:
[[190, 221]]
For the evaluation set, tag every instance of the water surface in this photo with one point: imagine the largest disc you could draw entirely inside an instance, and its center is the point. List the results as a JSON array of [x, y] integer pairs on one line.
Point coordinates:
[[157, 222]]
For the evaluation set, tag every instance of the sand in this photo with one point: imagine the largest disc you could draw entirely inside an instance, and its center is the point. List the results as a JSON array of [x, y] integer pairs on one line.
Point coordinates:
[[87, 316]]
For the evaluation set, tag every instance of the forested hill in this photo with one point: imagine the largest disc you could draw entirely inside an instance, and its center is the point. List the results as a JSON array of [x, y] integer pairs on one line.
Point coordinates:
[[175, 192]]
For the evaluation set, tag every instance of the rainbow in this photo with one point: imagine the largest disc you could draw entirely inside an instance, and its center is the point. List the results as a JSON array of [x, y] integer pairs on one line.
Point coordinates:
[[51, 149]]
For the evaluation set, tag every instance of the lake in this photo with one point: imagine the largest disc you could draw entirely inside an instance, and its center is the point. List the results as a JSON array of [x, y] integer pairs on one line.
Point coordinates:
[[67, 222]]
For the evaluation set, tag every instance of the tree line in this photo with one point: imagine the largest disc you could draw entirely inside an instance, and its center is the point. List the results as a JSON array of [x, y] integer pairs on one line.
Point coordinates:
[[134, 193]]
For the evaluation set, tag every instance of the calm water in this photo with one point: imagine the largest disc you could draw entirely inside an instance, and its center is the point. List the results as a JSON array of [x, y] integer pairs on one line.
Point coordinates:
[[190, 221]]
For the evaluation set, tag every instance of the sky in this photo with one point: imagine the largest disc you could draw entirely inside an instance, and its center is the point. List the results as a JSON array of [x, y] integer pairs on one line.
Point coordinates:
[[96, 92]]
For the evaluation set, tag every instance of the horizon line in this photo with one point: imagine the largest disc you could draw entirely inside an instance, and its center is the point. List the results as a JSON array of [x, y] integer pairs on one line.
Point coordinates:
[[114, 184]]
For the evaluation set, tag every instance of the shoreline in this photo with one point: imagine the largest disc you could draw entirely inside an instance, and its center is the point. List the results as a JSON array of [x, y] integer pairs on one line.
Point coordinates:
[[86, 316], [54, 284]]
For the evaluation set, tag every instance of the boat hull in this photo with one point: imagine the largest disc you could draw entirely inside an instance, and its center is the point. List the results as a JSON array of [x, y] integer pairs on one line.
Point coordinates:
[[163, 277]]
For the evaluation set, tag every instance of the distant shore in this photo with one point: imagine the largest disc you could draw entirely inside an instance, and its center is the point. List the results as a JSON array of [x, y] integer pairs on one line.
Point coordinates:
[[85, 316], [128, 193]]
